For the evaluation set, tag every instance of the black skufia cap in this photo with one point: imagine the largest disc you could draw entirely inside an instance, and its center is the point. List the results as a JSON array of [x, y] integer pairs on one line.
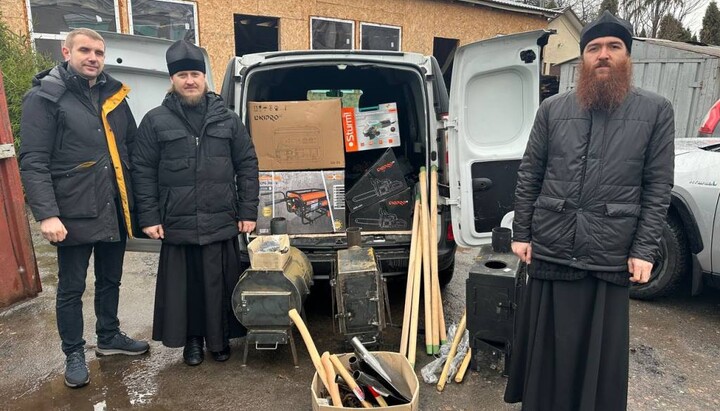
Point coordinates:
[[604, 26], [183, 55]]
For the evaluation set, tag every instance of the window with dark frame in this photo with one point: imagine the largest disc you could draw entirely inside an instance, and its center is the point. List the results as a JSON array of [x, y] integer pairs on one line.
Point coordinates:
[[255, 34], [379, 37], [331, 34], [166, 19], [51, 20]]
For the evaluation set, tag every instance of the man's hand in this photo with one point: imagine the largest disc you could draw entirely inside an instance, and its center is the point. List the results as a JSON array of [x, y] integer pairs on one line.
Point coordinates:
[[640, 270], [155, 232], [246, 226], [523, 251], [53, 229]]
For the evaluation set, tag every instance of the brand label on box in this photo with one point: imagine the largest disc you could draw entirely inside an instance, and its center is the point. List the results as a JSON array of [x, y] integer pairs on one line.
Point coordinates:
[[370, 128]]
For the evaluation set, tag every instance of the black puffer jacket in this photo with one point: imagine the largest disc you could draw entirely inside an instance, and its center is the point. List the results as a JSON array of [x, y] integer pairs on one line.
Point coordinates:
[[593, 188], [67, 166], [197, 187]]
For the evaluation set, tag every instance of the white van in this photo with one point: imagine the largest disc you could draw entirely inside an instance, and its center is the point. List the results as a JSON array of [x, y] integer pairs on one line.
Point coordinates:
[[476, 137]]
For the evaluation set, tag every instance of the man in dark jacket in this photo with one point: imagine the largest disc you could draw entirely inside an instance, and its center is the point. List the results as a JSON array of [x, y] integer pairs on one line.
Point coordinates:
[[592, 194], [196, 187], [76, 130]]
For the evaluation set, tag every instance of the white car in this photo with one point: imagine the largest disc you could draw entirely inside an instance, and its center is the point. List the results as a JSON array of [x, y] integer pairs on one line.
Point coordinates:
[[690, 245]]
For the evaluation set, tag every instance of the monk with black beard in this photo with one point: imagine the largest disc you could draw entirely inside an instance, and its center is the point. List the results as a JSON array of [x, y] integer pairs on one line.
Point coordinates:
[[196, 190], [592, 192]]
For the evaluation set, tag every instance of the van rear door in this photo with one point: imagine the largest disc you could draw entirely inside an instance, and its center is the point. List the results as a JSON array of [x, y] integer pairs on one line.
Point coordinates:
[[494, 95]]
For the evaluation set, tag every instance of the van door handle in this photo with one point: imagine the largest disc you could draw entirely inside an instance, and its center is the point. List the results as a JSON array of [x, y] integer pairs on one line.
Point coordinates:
[[481, 184]]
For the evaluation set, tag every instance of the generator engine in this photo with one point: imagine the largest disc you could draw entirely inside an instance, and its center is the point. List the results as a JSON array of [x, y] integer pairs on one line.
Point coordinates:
[[279, 279]]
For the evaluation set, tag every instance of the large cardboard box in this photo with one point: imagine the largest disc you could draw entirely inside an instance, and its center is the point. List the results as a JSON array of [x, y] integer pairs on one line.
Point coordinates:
[[371, 127], [398, 364], [390, 214], [384, 179], [297, 135], [310, 201]]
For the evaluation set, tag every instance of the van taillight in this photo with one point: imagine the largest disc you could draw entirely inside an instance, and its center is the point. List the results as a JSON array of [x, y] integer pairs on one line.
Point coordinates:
[[450, 236]]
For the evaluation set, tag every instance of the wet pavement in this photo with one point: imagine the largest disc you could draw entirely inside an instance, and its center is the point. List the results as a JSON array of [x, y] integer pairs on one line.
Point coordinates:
[[674, 359]]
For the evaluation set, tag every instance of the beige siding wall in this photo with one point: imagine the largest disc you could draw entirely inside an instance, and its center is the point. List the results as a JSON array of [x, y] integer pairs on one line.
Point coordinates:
[[562, 46], [420, 20]]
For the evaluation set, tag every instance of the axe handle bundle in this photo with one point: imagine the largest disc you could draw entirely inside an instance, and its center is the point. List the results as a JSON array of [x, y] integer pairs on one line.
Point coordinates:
[[453, 349], [430, 325], [407, 313], [307, 338]]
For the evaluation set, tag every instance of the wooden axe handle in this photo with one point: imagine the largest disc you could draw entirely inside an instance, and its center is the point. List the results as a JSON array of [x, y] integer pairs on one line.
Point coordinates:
[[307, 338]]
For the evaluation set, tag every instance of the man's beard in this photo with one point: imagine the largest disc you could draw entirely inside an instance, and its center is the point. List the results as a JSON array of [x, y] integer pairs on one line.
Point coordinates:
[[607, 93], [190, 101]]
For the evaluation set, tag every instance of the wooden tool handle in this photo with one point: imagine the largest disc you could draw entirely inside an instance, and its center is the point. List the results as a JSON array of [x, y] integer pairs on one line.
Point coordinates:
[[314, 355], [349, 380], [463, 366], [453, 349], [415, 313], [410, 281], [332, 385], [430, 319]]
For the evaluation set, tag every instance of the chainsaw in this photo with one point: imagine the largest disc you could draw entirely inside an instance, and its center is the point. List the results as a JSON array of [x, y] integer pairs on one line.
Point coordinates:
[[386, 221], [381, 187]]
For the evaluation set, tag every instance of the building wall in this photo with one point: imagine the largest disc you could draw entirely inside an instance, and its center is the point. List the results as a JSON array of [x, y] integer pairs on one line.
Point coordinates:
[[420, 20], [562, 46], [14, 13]]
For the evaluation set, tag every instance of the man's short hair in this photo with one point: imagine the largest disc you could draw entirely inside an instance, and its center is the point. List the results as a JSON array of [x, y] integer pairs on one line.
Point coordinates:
[[82, 31]]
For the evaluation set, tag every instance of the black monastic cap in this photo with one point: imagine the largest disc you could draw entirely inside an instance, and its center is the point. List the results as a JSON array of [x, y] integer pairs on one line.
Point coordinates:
[[183, 55], [604, 26]]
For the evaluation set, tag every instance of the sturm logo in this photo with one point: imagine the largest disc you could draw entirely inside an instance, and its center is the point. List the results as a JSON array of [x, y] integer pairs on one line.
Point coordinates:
[[266, 117], [349, 128]]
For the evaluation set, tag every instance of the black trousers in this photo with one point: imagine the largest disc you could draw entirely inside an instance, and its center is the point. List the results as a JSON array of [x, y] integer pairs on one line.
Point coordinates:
[[73, 262]]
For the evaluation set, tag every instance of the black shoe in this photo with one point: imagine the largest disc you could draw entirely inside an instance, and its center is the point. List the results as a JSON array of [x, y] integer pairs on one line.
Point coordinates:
[[221, 356], [193, 352], [76, 371], [122, 344]]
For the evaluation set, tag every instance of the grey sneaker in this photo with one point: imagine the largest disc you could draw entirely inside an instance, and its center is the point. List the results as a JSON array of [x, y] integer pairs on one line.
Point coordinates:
[[122, 344], [76, 371]]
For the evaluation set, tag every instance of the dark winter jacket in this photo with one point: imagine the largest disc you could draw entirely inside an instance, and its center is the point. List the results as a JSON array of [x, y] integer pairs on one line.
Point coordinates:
[[593, 188], [197, 186], [74, 157]]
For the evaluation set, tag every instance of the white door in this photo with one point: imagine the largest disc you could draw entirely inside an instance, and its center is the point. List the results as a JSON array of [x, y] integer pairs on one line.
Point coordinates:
[[139, 62], [493, 99]]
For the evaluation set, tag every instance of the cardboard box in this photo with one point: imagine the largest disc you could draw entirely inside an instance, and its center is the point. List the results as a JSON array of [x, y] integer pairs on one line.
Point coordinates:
[[395, 361], [370, 128], [384, 179], [311, 201], [390, 214], [269, 252], [297, 135]]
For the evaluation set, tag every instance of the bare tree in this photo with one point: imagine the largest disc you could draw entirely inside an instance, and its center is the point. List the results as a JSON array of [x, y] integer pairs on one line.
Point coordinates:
[[647, 14]]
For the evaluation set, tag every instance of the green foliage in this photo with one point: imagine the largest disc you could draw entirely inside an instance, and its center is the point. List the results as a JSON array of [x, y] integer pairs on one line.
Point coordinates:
[[19, 63], [609, 5], [672, 29], [710, 32]]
